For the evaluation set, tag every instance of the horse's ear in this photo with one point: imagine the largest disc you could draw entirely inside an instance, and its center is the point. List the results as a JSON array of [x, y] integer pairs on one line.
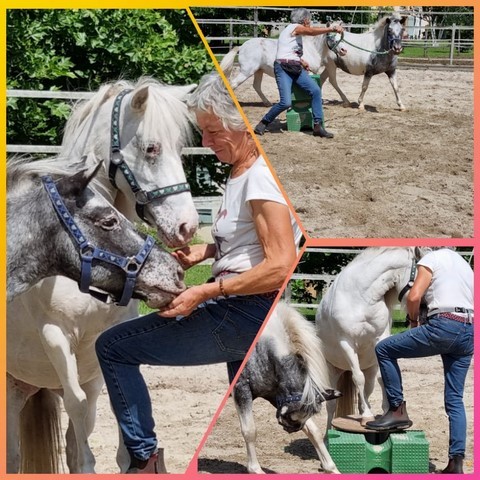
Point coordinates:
[[403, 20], [139, 99], [387, 20], [74, 185], [181, 92]]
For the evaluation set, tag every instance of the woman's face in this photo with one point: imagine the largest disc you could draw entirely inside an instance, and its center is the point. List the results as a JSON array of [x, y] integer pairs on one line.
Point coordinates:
[[227, 144]]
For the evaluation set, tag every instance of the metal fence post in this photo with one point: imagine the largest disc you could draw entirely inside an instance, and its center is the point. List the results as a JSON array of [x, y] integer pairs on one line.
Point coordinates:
[[255, 19], [452, 44], [231, 34]]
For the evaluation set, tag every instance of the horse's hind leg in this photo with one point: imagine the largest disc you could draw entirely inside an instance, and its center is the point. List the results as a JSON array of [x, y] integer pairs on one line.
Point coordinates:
[[313, 433], [247, 427], [257, 85], [392, 76], [366, 82], [16, 400], [330, 72]]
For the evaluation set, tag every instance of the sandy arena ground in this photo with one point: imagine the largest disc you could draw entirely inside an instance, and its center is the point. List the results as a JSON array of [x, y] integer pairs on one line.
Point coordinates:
[[184, 402], [280, 452], [386, 173]]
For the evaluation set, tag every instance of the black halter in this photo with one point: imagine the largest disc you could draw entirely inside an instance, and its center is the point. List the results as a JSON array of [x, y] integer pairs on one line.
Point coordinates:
[[409, 285], [117, 162], [130, 265]]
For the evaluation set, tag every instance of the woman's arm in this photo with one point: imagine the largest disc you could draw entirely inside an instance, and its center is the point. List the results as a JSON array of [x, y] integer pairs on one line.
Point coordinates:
[[274, 230], [312, 31], [420, 285]]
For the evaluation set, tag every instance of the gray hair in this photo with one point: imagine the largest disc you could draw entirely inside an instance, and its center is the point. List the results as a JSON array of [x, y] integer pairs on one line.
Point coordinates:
[[299, 15], [211, 96]]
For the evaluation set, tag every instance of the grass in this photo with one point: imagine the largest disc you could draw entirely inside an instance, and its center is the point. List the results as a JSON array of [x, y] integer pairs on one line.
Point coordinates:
[[433, 52]]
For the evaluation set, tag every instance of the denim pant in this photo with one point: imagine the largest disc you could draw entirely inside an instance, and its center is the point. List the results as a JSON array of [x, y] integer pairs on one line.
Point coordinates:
[[284, 84], [440, 336], [216, 332]]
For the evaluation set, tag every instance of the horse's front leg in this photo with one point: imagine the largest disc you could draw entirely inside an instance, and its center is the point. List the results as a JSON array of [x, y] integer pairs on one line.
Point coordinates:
[[366, 82], [359, 380], [313, 433], [249, 432], [392, 76], [58, 350]]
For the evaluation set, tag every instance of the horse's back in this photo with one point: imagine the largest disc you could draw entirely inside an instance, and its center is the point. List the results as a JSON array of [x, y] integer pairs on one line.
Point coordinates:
[[257, 54]]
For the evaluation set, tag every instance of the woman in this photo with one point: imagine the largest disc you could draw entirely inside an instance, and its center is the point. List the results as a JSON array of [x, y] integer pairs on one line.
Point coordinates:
[[445, 281], [290, 68], [255, 246]]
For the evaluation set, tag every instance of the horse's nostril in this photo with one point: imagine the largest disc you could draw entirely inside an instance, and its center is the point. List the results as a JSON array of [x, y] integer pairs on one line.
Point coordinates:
[[181, 274], [186, 231]]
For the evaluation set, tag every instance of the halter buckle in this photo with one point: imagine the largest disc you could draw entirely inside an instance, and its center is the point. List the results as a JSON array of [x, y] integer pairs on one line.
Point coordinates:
[[116, 156], [141, 197], [133, 265]]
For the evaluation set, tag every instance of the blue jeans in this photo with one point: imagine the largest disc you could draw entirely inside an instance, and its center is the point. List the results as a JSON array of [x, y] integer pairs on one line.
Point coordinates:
[[216, 332], [284, 84], [440, 336]]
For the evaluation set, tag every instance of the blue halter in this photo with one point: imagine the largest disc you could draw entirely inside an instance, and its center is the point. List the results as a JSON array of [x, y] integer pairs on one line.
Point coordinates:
[[130, 265], [117, 162]]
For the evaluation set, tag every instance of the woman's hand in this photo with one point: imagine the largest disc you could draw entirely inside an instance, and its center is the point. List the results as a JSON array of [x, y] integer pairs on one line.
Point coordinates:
[[187, 257], [185, 303]]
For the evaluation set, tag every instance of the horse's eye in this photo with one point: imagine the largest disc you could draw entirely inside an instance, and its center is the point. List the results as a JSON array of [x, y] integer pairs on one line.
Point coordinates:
[[109, 223]]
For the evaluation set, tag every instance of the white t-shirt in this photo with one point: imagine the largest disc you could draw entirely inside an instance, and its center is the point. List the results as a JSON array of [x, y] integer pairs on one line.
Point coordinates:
[[238, 247], [289, 47], [452, 280]]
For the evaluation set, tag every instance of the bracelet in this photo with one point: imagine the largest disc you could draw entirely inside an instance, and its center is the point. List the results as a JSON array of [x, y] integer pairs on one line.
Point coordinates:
[[222, 289]]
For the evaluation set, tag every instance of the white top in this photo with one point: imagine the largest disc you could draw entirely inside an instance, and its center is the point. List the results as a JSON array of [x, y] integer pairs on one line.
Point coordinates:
[[452, 280], [289, 46], [238, 247]]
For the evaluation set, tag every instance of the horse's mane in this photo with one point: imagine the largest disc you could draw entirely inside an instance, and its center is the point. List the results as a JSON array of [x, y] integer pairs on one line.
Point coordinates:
[[371, 252], [303, 341], [178, 115], [380, 24]]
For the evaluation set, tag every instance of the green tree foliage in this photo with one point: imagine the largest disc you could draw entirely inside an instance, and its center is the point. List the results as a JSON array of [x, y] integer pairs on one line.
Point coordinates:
[[82, 49]]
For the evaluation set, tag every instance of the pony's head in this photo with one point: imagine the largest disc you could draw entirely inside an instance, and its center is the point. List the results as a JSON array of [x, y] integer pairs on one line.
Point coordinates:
[[145, 129], [394, 30], [293, 411]]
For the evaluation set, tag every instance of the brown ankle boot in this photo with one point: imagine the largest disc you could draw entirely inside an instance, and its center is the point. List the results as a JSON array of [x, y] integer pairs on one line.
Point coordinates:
[[455, 465], [155, 464], [319, 131], [396, 418]]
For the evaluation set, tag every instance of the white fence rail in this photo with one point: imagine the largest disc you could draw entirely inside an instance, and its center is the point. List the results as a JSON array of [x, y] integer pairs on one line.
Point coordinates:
[[287, 295], [74, 96]]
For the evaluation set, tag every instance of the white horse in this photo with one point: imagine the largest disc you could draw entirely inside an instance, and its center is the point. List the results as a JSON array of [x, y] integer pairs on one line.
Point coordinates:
[[365, 54], [287, 369], [52, 328], [355, 314]]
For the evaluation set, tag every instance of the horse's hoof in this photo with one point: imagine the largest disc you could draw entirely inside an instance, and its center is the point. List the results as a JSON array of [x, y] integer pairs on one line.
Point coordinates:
[[361, 107], [402, 108], [346, 104]]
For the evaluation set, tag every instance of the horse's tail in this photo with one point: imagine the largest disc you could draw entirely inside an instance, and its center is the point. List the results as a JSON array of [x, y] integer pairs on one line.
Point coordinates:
[[227, 61], [306, 344], [346, 403], [40, 433]]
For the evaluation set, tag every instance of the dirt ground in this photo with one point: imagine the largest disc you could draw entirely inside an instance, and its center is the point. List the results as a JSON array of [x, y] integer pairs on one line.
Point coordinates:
[[280, 452], [387, 173], [184, 402]]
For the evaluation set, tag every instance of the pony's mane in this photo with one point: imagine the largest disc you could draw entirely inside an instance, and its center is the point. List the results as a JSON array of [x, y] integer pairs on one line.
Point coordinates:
[[304, 342], [178, 118], [27, 168]]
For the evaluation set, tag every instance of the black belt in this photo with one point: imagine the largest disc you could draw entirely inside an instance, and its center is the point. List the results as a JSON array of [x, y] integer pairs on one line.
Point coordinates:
[[286, 60]]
